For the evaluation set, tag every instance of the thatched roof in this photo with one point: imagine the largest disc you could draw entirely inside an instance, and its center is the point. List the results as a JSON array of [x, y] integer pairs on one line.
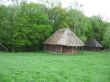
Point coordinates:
[[64, 37], [93, 43]]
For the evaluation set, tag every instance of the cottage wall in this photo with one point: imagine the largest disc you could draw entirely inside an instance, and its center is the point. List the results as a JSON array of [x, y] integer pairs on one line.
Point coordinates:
[[67, 49], [52, 48], [92, 48], [61, 49]]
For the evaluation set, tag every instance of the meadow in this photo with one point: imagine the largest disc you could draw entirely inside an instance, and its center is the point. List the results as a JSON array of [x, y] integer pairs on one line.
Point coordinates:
[[48, 67]]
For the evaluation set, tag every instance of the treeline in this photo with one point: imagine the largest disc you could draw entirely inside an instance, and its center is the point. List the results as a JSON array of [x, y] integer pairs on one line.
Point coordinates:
[[25, 26]]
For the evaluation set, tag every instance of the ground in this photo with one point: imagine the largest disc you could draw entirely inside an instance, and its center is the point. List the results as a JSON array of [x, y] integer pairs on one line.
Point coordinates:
[[48, 67]]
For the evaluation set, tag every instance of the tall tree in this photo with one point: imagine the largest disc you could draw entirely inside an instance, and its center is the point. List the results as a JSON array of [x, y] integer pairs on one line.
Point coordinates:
[[106, 37], [98, 27], [57, 16], [78, 23], [32, 25]]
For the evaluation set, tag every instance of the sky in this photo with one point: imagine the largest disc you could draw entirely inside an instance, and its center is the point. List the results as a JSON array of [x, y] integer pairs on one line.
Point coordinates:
[[90, 7]]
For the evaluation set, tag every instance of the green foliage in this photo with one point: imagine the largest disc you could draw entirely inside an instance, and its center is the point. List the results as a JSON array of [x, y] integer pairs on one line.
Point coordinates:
[[98, 27], [78, 23], [58, 16], [106, 37], [46, 67], [26, 25], [33, 25]]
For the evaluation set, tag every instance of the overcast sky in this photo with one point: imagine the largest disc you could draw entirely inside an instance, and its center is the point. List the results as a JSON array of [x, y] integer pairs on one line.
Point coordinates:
[[90, 7]]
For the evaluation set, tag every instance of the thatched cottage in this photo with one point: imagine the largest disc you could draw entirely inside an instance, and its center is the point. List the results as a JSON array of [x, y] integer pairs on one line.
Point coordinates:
[[63, 41], [93, 44]]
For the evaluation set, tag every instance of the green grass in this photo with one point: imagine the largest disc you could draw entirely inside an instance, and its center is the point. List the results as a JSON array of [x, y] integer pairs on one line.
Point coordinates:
[[46, 67]]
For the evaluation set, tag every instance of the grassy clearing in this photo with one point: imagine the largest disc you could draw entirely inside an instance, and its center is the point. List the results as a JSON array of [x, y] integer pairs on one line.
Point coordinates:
[[46, 67]]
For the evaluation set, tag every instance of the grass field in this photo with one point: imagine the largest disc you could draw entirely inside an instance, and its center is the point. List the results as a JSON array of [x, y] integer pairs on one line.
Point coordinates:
[[46, 67]]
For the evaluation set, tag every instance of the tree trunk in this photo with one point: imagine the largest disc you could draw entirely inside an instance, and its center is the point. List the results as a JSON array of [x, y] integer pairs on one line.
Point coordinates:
[[13, 49]]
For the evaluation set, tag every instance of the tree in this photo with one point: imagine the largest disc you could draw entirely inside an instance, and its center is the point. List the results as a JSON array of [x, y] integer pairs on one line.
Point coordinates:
[[57, 16], [6, 24], [97, 29], [32, 25], [78, 23], [106, 37]]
